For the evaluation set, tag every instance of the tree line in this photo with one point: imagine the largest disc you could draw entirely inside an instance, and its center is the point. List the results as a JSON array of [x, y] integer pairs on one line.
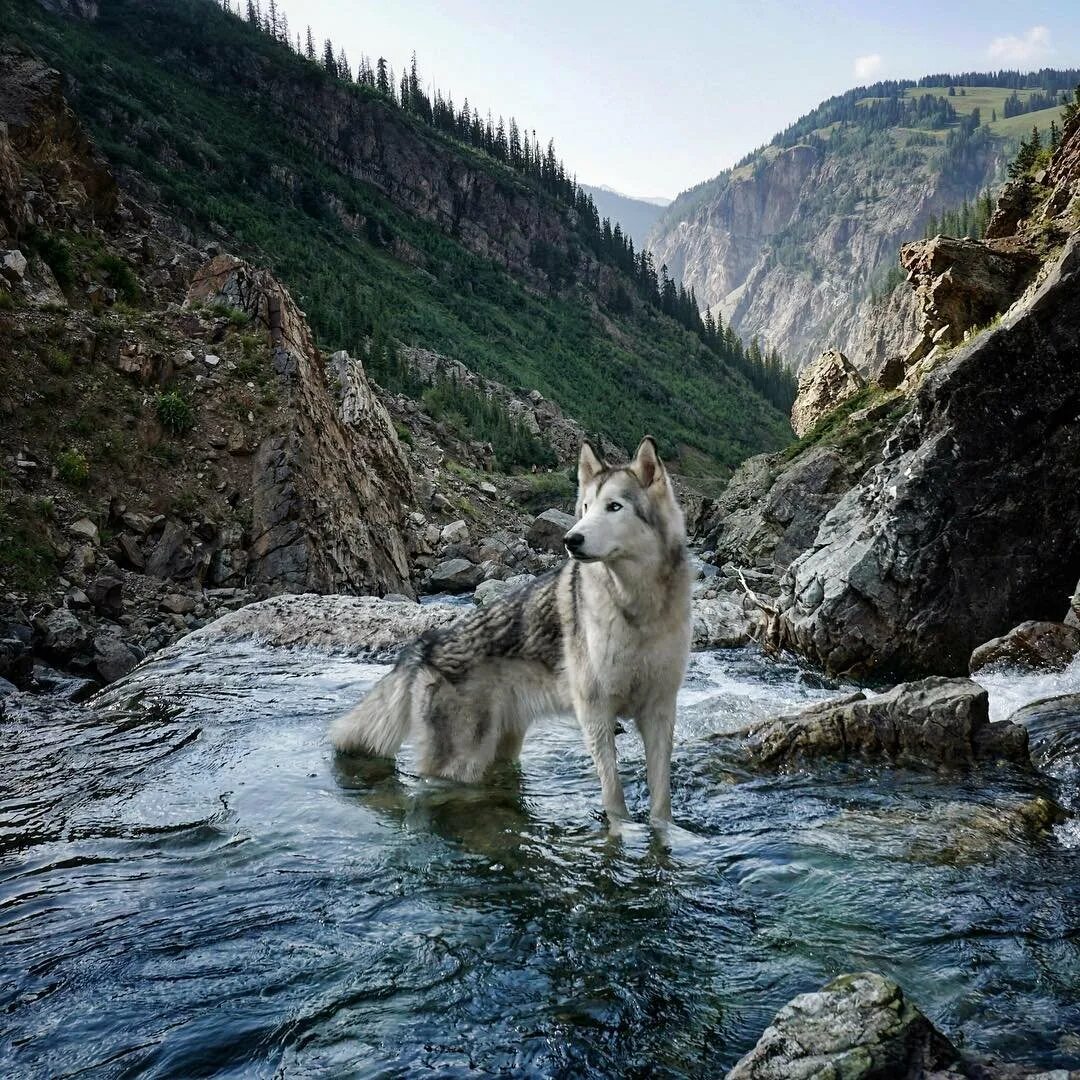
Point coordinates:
[[522, 151]]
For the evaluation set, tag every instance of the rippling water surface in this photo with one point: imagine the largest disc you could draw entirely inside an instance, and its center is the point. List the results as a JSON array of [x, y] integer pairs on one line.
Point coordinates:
[[191, 885]]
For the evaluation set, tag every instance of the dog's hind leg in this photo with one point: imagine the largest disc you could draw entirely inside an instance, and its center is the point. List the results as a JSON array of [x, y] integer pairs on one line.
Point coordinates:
[[657, 727]]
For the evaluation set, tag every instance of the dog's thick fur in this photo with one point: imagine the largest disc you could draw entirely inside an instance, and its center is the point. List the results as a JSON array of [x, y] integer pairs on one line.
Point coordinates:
[[607, 635]]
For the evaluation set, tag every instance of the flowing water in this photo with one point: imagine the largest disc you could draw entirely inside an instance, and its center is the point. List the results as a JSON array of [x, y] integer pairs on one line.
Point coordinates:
[[191, 885]]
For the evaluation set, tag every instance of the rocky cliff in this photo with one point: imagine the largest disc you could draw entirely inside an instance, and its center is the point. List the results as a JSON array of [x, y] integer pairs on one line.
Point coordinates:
[[797, 244], [945, 512]]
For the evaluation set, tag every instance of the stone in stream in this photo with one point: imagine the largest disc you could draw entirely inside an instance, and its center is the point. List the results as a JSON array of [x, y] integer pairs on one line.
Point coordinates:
[[857, 1027], [933, 722], [1053, 727], [1073, 617], [1039, 646]]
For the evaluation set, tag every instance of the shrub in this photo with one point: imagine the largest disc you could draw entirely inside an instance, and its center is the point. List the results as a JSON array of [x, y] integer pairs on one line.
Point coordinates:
[[174, 413], [7, 301], [56, 255], [73, 467], [119, 276]]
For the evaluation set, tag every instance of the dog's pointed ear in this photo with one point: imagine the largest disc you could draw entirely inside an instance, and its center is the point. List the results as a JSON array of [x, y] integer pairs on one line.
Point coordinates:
[[647, 466], [590, 464]]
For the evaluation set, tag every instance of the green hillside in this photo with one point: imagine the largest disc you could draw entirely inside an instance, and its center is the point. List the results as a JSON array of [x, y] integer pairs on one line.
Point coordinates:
[[193, 107]]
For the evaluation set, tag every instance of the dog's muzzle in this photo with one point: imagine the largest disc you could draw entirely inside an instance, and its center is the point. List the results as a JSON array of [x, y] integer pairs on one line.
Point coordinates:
[[573, 542]]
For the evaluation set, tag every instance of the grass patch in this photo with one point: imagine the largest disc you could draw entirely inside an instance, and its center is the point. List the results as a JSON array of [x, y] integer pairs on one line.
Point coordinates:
[[835, 427], [27, 559], [72, 467], [174, 413]]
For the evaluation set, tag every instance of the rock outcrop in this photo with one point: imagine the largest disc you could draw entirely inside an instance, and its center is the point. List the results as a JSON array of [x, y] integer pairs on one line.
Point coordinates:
[[329, 495], [1036, 646], [859, 1027], [933, 722], [824, 384]]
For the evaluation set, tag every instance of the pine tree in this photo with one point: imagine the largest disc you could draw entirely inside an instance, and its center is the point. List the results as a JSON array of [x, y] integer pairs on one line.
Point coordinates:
[[272, 19], [382, 79], [309, 46], [329, 60]]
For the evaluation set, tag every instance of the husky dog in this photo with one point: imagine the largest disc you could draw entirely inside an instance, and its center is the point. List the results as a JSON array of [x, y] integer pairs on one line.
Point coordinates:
[[607, 634]]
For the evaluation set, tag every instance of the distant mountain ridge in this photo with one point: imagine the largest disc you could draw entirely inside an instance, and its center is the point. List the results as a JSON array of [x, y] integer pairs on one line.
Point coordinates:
[[796, 242], [636, 215]]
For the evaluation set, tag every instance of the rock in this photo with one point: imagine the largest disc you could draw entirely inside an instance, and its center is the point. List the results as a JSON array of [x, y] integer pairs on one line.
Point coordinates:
[[1053, 727], [1073, 617], [719, 623], [211, 360], [12, 265], [488, 488], [857, 1027], [457, 532], [72, 688], [176, 554], [84, 529], [106, 593], [963, 283], [823, 385], [492, 589], [130, 552], [62, 635], [78, 600], [178, 604], [137, 523], [440, 502], [112, 657], [455, 575], [354, 625], [548, 529], [1038, 646], [933, 722], [970, 523]]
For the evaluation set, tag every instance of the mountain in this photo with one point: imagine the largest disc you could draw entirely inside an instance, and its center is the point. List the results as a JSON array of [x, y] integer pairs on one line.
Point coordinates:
[[403, 223], [636, 216], [797, 242]]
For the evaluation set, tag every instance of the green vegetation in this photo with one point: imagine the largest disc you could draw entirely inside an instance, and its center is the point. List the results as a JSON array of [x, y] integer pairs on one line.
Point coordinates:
[[119, 276], [27, 559], [72, 467], [174, 413], [56, 255], [145, 82], [7, 301], [836, 428]]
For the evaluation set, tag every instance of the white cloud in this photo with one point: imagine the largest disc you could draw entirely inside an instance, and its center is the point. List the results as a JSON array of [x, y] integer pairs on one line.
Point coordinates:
[[1033, 45], [866, 67]]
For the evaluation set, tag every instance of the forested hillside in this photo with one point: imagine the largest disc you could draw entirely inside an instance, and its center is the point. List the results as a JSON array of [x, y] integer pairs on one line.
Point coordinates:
[[397, 215], [798, 239]]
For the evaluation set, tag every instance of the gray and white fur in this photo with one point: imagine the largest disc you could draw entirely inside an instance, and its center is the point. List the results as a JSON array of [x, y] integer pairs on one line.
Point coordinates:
[[606, 635]]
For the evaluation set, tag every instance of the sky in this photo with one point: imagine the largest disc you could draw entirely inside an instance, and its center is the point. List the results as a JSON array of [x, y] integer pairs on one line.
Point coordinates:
[[651, 99]]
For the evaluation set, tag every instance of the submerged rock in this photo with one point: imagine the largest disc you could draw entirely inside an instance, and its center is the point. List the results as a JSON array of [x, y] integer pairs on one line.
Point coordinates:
[[824, 384], [1040, 646], [933, 722], [857, 1027]]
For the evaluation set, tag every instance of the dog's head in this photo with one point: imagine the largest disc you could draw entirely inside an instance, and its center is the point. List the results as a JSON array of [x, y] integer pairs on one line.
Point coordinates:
[[629, 512]]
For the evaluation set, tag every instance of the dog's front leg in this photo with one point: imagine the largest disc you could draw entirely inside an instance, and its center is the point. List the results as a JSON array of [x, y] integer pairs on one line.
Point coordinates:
[[598, 727], [657, 727]]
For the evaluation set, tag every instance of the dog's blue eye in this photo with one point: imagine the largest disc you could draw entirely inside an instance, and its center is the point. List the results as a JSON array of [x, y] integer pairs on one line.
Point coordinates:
[[613, 506]]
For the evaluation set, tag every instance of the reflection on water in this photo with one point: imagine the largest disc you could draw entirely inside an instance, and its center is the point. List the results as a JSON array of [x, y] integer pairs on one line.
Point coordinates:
[[191, 884]]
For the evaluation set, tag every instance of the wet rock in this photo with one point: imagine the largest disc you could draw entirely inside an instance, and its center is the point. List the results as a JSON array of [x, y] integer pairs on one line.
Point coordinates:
[[1053, 727], [112, 657], [84, 529], [719, 623], [548, 529], [354, 625], [1037, 646], [455, 575], [106, 593], [933, 722], [824, 384], [62, 635], [857, 1027]]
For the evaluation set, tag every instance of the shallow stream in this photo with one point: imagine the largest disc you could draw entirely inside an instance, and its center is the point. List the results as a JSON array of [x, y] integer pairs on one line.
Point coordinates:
[[190, 885]]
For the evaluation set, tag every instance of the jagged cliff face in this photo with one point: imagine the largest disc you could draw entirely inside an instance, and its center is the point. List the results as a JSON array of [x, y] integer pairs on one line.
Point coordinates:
[[790, 247]]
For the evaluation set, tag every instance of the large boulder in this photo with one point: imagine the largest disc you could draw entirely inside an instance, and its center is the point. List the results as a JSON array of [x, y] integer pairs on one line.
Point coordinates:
[[719, 623], [857, 1027], [960, 283], [1053, 727], [824, 384], [1073, 616], [970, 523], [933, 722], [455, 576], [330, 492], [548, 529], [1038, 646]]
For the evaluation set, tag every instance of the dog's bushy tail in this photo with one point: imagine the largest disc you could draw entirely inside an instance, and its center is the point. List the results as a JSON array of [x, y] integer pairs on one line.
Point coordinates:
[[378, 725]]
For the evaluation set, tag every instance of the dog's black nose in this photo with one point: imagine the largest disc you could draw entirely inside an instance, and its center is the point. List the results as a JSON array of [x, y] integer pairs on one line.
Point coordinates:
[[574, 542]]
